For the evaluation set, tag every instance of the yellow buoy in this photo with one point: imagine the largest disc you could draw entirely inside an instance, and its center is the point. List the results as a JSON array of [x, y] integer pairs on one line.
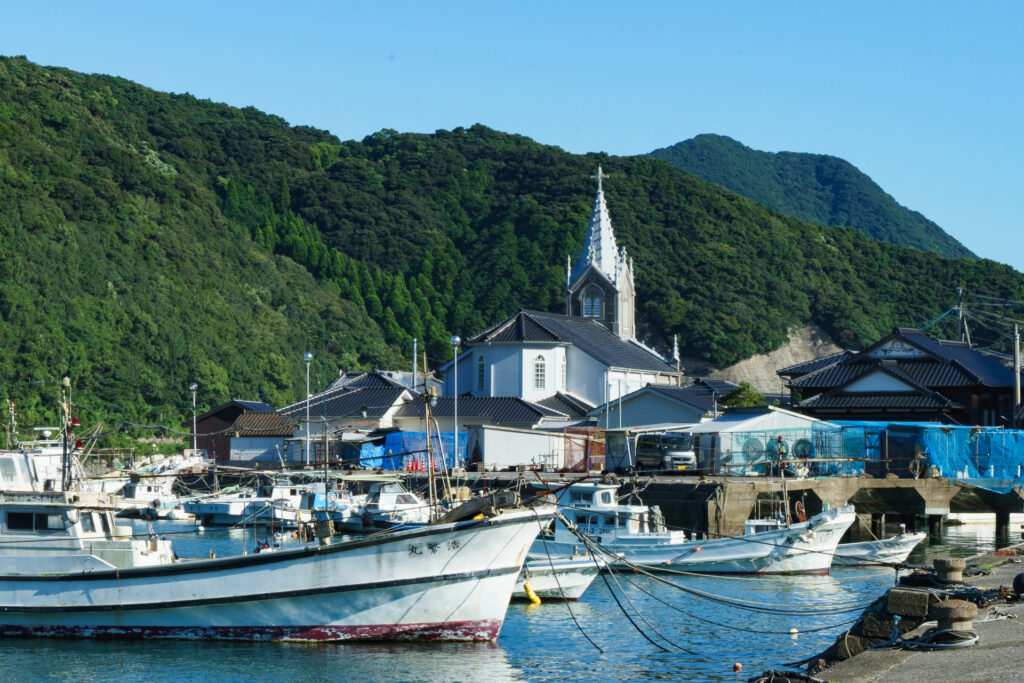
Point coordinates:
[[528, 589]]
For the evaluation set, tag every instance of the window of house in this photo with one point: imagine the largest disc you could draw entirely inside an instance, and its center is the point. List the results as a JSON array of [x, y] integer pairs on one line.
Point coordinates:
[[480, 373], [539, 372]]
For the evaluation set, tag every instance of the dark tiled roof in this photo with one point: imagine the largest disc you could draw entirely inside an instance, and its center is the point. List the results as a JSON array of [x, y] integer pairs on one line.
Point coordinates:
[[684, 395], [830, 376], [567, 404], [710, 387], [346, 402], [951, 364], [880, 400], [815, 364], [519, 328], [498, 409], [256, 406], [364, 380], [587, 335], [986, 370], [932, 374], [262, 423]]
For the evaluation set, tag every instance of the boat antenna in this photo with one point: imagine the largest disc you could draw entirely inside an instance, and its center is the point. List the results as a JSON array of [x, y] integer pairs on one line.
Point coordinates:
[[12, 425]]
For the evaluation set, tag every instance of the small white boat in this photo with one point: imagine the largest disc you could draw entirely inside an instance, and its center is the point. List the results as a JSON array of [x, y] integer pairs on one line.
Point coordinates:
[[281, 505], [892, 550], [637, 534], [389, 505], [557, 578]]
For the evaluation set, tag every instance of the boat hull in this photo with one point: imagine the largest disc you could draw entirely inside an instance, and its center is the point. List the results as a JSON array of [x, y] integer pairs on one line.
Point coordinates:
[[805, 548], [557, 579], [448, 582], [892, 550]]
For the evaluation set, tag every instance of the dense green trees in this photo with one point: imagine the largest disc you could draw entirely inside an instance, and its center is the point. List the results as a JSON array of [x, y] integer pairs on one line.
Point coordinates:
[[812, 187], [150, 239]]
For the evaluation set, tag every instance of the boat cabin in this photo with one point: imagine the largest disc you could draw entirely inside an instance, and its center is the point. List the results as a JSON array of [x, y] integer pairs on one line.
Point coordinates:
[[595, 508]]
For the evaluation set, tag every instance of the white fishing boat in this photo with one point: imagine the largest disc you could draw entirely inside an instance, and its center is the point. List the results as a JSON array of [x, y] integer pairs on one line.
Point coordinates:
[[388, 505], [892, 550], [64, 531], [280, 504], [150, 489], [440, 582], [636, 534], [557, 578]]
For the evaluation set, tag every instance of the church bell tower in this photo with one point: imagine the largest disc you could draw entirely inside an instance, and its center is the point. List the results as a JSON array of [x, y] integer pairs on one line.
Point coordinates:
[[599, 284]]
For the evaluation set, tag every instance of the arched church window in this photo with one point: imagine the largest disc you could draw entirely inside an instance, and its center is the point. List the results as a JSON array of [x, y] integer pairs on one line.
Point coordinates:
[[539, 372], [480, 373], [593, 303]]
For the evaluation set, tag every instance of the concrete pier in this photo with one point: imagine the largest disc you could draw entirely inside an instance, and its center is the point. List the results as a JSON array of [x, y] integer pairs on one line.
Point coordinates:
[[718, 506], [996, 657]]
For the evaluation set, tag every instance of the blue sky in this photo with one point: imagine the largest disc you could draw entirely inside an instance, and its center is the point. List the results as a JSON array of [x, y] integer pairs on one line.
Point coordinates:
[[924, 97]]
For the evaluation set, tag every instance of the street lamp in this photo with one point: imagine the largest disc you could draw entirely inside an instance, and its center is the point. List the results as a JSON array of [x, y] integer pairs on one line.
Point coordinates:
[[193, 388], [455, 359], [308, 357]]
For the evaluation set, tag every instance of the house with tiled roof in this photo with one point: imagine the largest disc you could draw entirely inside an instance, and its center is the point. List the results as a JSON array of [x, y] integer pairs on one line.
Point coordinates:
[[906, 376], [215, 427], [365, 402]]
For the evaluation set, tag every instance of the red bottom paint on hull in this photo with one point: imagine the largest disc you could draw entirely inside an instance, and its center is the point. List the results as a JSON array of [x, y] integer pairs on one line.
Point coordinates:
[[486, 629]]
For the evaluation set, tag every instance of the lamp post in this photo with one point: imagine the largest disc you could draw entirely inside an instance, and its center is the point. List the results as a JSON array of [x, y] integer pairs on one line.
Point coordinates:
[[193, 388], [455, 360], [308, 358]]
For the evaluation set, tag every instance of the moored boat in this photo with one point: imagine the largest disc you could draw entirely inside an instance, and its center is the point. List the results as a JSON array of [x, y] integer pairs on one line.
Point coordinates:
[[892, 550], [440, 582], [634, 534], [557, 578]]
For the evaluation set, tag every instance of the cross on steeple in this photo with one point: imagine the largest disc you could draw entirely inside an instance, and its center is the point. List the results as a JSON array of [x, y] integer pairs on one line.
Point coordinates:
[[599, 176]]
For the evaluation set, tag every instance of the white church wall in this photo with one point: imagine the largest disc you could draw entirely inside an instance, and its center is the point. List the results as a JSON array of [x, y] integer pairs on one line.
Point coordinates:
[[586, 377]]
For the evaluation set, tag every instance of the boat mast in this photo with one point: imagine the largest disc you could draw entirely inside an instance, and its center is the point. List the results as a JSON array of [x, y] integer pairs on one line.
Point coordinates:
[[65, 403]]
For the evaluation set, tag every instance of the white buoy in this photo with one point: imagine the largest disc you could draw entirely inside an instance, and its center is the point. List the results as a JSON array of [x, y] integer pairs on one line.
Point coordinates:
[[793, 632]]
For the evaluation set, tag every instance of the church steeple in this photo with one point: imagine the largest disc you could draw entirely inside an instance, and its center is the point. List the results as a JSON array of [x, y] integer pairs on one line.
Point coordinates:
[[599, 249], [600, 283]]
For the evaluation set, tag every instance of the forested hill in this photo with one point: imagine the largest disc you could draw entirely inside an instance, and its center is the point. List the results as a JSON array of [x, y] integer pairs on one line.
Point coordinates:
[[149, 239], [813, 187]]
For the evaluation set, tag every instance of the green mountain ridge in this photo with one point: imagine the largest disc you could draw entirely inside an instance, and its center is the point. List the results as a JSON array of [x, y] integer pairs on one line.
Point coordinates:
[[150, 239], [812, 187]]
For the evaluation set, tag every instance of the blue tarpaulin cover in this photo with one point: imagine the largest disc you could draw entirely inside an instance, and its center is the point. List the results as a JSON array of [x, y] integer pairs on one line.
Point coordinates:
[[986, 457], [408, 450]]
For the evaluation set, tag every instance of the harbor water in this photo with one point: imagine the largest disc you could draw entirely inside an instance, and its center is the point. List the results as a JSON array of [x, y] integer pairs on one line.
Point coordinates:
[[700, 638]]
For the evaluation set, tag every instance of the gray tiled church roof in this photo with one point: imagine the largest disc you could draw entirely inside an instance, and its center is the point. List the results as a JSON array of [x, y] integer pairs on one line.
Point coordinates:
[[586, 334]]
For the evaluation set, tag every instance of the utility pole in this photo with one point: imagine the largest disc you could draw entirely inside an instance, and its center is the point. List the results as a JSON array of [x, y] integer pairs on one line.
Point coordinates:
[[414, 365], [1016, 375]]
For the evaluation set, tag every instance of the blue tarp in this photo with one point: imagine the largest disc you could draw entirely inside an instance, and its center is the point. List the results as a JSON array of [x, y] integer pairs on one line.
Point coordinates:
[[408, 450], [986, 457]]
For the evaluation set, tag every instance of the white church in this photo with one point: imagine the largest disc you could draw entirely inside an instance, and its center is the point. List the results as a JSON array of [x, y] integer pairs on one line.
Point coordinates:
[[584, 358]]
